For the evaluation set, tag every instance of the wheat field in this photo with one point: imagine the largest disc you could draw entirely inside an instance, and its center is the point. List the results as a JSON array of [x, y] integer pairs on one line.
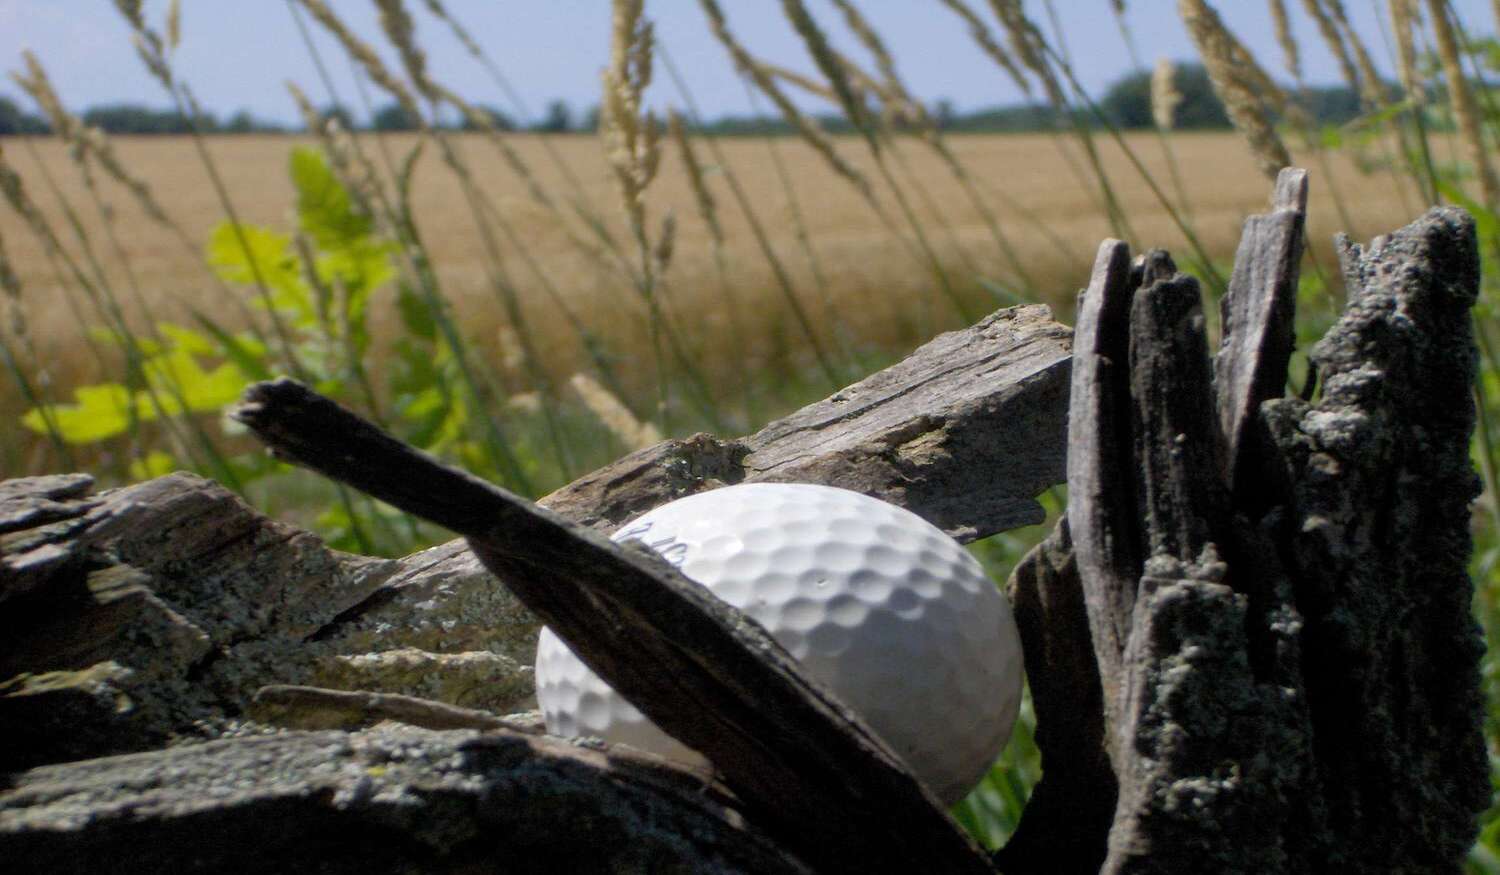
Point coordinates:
[[874, 293]]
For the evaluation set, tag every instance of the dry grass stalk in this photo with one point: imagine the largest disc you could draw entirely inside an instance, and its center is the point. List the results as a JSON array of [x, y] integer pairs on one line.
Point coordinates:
[[1028, 44], [1227, 74], [1283, 25], [311, 118], [898, 107], [614, 415], [666, 242], [131, 9], [14, 192], [805, 127], [174, 24], [1335, 42], [10, 285], [39, 88], [1405, 19], [86, 141], [986, 40], [708, 209], [829, 62], [512, 351], [806, 83], [352, 166], [1165, 98], [441, 13], [1461, 97], [632, 140], [1370, 88], [872, 42], [148, 44], [361, 52], [400, 30]]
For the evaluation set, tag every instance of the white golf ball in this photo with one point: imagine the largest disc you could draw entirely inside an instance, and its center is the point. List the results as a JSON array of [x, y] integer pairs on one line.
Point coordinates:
[[882, 607]]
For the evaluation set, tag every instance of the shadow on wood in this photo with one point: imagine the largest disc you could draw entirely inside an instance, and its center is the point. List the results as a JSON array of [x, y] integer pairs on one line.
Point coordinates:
[[1248, 642], [1284, 672]]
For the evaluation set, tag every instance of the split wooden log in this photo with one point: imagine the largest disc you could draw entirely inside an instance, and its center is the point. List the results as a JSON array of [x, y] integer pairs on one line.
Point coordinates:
[[965, 432], [1273, 592], [387, 800], [805, 767], [153, 613]]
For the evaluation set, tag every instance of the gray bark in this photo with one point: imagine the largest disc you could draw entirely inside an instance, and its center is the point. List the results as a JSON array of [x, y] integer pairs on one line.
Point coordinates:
[[1289, 677], [391, 799]]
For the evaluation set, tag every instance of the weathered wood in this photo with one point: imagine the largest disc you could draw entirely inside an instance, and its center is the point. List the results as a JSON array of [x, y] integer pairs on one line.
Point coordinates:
[[1258, 330], [1298, 689], [964, 432], [102, 655], [1176, 445], [1066, 821], [1377, 539], [1102, 517], [804, 766], [389, 800], [299, 707]]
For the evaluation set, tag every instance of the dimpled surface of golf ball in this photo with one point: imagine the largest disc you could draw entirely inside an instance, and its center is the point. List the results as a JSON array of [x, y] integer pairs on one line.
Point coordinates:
[[890, 613]]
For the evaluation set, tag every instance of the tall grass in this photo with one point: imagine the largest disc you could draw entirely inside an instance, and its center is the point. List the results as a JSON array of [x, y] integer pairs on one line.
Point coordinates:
[[719, 315]]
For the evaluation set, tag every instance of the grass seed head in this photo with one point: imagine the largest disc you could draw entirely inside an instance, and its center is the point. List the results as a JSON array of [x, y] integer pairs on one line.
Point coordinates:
[[1289, 51], [613, 414], [1461, 99], [1405, 19], [980, 32], [805, 127], [365, 56], [1227, 72], [708, 209], [1165, 98]]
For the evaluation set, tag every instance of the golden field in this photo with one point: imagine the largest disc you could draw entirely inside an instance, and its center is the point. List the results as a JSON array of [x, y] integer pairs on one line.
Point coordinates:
[[875, 293]]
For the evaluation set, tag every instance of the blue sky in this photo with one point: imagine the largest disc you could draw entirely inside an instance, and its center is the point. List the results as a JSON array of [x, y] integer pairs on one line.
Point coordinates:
[[237, 53]]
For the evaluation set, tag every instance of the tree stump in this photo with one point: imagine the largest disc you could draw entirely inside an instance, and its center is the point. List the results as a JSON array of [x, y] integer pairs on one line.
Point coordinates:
[[1284, 672]]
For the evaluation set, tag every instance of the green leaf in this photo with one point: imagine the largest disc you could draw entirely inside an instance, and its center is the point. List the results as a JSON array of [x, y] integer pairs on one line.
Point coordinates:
[[145, 345], [200, 390], [324, 207], [416, 315], [101, 411], [155, 464], [186, 339], [236, 253], [247, 353], [360, 266]]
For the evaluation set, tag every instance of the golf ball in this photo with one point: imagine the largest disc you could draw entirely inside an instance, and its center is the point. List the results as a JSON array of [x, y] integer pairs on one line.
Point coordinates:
[[882, 607]]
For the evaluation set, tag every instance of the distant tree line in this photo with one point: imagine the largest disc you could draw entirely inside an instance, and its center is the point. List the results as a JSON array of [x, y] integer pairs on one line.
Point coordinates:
[[126, 118], [1127, 104]]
